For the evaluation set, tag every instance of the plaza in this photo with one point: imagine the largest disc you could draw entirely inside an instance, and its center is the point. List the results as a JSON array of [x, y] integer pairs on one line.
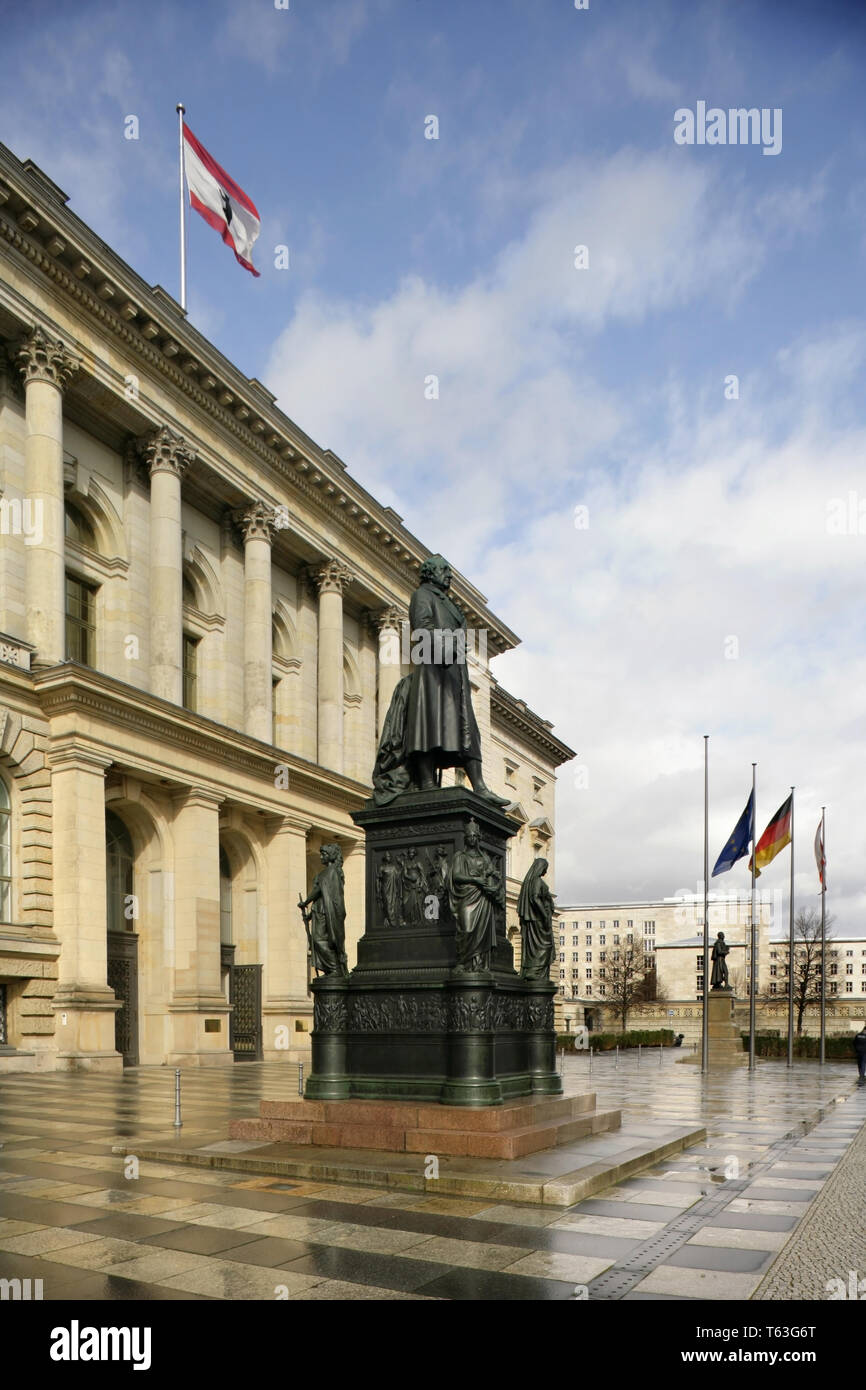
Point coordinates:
[[711, 1222]]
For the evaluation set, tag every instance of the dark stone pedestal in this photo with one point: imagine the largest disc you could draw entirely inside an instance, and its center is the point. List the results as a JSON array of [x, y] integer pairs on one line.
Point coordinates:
[[409, 1024]]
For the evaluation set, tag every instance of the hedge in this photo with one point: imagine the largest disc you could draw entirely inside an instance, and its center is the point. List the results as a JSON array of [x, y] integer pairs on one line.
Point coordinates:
[[839, 1045], [606, 1042]]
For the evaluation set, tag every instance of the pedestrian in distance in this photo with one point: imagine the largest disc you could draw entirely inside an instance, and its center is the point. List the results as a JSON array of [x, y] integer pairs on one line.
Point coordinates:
[[860, 1049]]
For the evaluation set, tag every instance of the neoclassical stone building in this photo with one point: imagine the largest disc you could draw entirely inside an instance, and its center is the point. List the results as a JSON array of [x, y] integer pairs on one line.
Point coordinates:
[[196, 601]]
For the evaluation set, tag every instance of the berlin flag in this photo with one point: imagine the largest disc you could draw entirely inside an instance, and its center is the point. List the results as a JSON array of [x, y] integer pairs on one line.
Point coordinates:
[[222, 203]]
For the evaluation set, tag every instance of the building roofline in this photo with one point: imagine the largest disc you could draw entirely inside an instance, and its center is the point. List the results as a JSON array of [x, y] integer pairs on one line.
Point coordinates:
[[36, 221]]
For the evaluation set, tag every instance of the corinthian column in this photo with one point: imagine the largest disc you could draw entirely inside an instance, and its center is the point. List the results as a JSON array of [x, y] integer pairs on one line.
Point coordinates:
[[257, 522], [386, 624], [330, 579], [167, 457], [47, 367]]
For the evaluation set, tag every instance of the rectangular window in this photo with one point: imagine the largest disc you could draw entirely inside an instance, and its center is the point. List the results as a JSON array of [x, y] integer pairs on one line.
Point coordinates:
[[616, 924], [602, 974], [629, 923], [601, 924], [849, 970], [773, 987], [849, 986], [700, 983], [562, 974], [602, 955], [602, 989], [589, 926], [773, 970], [589, 974], [602, 940], [190, 673], [834, 988], [562, 955], [80, 621], [589, 955]]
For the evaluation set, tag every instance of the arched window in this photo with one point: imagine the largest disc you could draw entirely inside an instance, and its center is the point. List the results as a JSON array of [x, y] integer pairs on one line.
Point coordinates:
[[78, 527], [5, 854], [225, 899], [119, 873]]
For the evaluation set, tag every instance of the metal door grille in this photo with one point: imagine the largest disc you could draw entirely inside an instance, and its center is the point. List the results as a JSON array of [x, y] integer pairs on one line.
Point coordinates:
[[245, 996]]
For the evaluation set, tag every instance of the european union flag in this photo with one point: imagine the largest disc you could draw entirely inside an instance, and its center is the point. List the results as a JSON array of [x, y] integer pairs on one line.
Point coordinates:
[[741, 839]]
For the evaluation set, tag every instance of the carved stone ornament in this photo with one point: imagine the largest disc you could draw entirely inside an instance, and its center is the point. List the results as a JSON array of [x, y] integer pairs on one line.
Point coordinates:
[[163, 451], [43, 358], [257, 522], [330, 578]]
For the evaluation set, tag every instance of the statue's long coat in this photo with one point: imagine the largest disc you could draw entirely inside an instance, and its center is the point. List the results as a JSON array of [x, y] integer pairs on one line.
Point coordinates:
[[439, 715]]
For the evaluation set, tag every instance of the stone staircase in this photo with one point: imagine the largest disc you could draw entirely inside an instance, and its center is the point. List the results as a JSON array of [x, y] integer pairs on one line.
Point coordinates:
[[512, 1130]]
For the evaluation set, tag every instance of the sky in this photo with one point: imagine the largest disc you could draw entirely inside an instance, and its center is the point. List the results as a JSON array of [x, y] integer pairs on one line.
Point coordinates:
[[649, 455]]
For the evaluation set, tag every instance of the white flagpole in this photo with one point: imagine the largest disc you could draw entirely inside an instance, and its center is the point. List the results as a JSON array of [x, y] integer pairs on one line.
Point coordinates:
[[823, 939], [791, 947], [181, 111], [705, 1024], [753, 971]]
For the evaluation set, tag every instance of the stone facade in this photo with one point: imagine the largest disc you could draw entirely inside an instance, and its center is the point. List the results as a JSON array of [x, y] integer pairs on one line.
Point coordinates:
[[195, 605]]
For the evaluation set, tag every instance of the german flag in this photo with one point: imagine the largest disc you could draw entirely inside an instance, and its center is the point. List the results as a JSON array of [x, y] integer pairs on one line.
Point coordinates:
[[774, 839]]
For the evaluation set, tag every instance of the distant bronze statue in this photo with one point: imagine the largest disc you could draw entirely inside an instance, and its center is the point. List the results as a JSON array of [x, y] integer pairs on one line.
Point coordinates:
[[326, 924], [430, 723], [414, 885], [535, 908], [389, 890], [719, 979], [475, 892]]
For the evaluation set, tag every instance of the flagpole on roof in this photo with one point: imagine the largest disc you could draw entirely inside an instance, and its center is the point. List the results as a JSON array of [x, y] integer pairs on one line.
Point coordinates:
[[181, 111], [791, 947], [753, 973], [705, 1029]]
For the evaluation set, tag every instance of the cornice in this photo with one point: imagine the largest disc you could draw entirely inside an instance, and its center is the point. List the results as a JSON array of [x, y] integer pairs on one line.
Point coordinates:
[[153, 326], [509, 710], [72, 688]]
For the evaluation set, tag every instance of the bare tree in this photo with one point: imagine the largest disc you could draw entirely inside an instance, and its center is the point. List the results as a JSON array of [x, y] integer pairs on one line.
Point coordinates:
[[806, 965], [628, 979]]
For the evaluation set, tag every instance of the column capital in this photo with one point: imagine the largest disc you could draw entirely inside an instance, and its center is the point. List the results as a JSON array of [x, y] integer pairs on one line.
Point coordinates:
[[203, 797], [389, 618], [71, 752], [330, 577], [43, 358], [257, 521], [163, 451]]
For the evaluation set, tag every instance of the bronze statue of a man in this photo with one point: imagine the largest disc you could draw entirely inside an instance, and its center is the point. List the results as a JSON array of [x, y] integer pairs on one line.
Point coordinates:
[[719, 978], [430, 723]]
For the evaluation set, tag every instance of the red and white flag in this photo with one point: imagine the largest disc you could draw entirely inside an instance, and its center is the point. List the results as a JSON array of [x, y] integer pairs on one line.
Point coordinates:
[[819, 854], [222, 203]]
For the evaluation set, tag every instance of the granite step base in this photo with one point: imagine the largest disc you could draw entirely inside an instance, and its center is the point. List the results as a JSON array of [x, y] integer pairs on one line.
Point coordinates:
[[509, 1131]]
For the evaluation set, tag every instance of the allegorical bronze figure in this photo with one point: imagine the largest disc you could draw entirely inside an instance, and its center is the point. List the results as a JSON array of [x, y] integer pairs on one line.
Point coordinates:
[[475, 892], [535, 908], [326, 924], [719, 978], [430, 723], [388, 890]]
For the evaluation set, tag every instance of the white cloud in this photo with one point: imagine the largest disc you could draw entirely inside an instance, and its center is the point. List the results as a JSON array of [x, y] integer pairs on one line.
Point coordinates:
[[711, 525]]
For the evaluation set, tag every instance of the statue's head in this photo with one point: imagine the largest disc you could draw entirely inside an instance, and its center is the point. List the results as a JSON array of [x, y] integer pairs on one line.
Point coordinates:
[[331, 854], [721, 936], [542, 867], [473, 834], [413, 853], [386, 857], [436, 570]]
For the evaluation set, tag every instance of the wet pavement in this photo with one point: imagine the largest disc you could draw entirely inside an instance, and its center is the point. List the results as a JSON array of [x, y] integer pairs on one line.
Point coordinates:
[[707, 1224]]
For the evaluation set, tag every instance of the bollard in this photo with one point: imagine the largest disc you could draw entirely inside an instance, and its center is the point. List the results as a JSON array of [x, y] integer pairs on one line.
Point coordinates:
[[590, 1061], [616, 1058], [660, 1054], [638, 1054], [178, 1122], [300, 1078]]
